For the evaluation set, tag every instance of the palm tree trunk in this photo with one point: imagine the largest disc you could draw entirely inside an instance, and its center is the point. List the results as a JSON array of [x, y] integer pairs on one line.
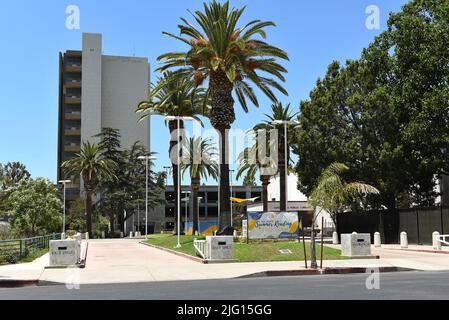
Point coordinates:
[[89, 209], [265, 182], [172, 125], [195, 214], [222, 116]]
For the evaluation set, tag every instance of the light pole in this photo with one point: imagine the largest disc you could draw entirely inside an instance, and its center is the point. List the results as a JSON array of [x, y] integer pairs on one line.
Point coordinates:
[[198, 205], [146, 158], [285, 123], [232, 218], [64, 182], [186, 200], [178, 173]]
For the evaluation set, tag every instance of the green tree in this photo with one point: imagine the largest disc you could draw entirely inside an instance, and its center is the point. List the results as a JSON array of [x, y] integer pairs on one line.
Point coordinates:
[[385, 113], [76, 215], [280, 112], [34, 208], [175, 95], [92, 166], [12, 173], [229, 57], [198, 161]]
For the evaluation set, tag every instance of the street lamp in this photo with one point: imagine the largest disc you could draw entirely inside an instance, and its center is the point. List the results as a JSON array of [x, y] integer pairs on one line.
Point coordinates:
[[178, 173], [146, 158], [285, 123], [232, 220], [186, 200], [64, 182], [199, 223]]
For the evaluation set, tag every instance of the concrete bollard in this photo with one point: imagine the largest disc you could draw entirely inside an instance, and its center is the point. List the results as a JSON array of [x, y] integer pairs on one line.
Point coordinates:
[[334, 237], [354, 232], [404, 241], [121, 234], [86, 235], [377, 241], [63, 236], [435, 243], [103, 235], [131, 234]]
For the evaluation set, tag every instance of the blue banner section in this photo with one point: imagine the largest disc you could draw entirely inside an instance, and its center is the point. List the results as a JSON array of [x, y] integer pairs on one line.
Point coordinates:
[[207, 227]]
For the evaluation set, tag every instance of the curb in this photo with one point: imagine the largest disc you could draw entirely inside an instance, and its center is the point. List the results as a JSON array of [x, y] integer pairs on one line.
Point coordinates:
[[15, 283], [181, 254], [312, 272], [425, 251]]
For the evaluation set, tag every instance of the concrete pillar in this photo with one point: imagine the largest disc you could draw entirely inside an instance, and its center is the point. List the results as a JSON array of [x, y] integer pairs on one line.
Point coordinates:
[[377, 241], [334, 237], [404, 241], [435, 243]]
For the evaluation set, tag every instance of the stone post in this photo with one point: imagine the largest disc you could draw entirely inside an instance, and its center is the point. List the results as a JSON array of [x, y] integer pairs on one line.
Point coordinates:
[[334, 237], [404, 241], [377, 241], [435, 243]]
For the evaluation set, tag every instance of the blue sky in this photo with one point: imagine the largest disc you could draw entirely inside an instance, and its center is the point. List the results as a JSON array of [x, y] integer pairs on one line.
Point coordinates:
[[314, 33]]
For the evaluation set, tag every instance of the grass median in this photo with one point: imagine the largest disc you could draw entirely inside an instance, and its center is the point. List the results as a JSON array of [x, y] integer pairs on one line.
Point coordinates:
[[253, 251]]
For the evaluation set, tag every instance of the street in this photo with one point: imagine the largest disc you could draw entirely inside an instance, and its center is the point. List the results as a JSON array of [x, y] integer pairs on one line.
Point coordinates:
[[398, 285]]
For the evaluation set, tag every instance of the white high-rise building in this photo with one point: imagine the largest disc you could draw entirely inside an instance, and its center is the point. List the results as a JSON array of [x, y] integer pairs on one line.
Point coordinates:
[[98, 91]]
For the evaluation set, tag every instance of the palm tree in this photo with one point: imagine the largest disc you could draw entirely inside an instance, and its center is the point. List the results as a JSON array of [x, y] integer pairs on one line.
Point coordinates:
[[228, 57], [333, 194], [175, 95], [279, 112], [198, 160], [251, 161], [92, 166]]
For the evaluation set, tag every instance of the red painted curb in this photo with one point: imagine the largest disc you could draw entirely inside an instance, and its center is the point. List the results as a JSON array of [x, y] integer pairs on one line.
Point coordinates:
[[14, 283], [181, 254], [311, 272], [425, 251]]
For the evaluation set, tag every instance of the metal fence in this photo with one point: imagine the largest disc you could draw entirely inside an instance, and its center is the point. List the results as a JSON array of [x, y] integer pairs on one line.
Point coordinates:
[[21, 248], [419, 223]]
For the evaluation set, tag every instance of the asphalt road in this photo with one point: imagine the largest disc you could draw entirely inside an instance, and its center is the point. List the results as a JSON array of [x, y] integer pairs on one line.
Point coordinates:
[[397, 285]]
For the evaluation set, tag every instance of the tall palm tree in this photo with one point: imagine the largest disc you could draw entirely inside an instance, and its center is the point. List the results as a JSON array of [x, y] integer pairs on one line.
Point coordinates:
[[228, 57], [251, 161], [175, 95], [283, 113], [92, 166], [198, 160], [333, 194]]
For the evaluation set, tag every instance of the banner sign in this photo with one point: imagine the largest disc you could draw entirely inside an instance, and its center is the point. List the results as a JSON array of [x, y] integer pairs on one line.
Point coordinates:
[[273, 225]]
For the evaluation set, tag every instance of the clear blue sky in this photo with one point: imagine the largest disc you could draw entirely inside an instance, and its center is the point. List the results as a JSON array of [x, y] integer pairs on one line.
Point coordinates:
[[32, 33]]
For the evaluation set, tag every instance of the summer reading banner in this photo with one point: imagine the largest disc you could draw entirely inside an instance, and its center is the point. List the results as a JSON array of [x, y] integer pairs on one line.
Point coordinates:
[[273, 225]]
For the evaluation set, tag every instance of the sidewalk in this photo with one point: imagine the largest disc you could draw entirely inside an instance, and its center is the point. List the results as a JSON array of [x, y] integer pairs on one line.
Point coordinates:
[[128, 261]]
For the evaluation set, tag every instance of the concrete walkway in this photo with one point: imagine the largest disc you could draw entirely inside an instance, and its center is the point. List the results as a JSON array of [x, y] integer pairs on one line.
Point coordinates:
[[127, 261]]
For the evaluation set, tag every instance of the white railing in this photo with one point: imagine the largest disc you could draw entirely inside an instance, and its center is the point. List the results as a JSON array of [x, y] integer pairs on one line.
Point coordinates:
[[200, 247], [442, 239]]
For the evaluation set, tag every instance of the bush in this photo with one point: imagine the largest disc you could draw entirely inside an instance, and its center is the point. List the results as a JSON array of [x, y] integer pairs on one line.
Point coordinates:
[[70, 233], [10, 258]]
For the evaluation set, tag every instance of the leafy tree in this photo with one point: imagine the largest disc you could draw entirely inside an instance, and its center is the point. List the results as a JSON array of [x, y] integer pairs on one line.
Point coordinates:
[[229, 57], [34, 208], [12, 173], [76, 215], [198, 161], [92, 166], [385, 113], [175, 95]]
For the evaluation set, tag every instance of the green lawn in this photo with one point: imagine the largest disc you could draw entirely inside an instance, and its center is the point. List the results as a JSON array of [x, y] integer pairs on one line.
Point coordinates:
[[252, 252]]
